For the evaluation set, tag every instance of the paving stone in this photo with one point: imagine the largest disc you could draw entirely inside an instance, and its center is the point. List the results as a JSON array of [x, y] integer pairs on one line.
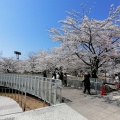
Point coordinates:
[[94, 107], [56, 112], [8, 106]]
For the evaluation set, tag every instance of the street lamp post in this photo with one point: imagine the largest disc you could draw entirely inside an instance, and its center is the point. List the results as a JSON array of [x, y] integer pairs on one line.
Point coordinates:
[[17, 54], [17, 57]]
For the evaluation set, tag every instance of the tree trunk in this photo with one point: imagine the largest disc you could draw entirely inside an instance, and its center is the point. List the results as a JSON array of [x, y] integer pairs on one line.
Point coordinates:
[[94, 73], [94, 70]]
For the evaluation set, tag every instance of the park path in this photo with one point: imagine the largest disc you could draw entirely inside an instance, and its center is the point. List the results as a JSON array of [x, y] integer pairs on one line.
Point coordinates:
[[8, 106], [93, 107]]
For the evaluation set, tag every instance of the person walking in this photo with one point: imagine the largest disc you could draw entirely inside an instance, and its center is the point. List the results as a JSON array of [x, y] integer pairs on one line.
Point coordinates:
[[65, 79], [86, 82]]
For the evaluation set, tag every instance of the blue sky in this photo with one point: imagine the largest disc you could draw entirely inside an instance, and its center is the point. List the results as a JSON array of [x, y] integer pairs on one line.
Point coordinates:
[[24, 23]]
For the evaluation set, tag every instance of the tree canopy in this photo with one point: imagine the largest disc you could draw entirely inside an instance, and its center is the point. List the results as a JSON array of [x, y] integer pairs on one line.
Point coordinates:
[[92, 41], [85, 43]]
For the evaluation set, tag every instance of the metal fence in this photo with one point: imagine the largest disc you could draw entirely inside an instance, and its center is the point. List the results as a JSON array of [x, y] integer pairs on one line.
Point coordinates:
[[46, 89], [76, 82]]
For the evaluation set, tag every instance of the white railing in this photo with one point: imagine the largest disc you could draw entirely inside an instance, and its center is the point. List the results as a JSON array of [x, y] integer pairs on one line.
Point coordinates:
[[46, 89]]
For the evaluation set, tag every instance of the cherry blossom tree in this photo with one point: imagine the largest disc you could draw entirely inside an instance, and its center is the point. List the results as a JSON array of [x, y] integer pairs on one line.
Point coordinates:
[[69, 63], [48, 60], [24, 66], [8, 65], [42, 60], [31, 62], [91, 41]]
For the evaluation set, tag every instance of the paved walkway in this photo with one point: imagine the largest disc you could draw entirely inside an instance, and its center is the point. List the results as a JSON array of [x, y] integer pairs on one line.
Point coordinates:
[[8, 106], [55, 112], [93, 107]]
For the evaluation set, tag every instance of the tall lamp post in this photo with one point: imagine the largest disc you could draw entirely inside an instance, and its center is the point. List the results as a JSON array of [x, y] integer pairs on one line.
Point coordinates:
[[17, 54], [17, 57]]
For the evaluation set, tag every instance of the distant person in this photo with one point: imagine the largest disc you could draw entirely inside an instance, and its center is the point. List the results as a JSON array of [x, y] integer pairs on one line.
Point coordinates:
[[65, 79], [119, 76], [8, 71], [54, 75], [57, 75], [116, 78], [44, 74], [86, 82], [61, 76]]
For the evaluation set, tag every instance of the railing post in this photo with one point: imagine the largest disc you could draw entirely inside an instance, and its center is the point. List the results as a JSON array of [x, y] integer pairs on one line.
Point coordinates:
[[15, 94], [5, 92], [95, 85], [12, 93], [50, 91], [2, 90], [44, 96], [54, 97], [18, 95], [9, 92], [24, 101], [60, 95], [21, 97]]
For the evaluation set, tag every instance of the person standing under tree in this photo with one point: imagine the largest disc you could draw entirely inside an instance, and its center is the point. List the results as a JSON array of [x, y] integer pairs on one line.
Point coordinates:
[[86, 83], [65, 79], [61, 76], [44, 74], [54, 75]]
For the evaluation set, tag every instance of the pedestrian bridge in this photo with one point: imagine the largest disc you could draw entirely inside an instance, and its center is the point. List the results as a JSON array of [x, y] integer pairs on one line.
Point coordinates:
[[46, 89]]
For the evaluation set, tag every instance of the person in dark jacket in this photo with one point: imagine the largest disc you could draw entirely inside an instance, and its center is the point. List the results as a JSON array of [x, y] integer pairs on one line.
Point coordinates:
[[86, 82], [61, 76], [65, 79], [54, 75], [44, 74]]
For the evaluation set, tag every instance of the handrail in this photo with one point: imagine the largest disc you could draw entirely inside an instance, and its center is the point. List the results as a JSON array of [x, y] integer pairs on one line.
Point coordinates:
[[35, 85]]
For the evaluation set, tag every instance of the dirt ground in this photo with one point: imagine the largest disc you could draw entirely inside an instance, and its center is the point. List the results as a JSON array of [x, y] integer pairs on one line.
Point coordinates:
[[29, 103]]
